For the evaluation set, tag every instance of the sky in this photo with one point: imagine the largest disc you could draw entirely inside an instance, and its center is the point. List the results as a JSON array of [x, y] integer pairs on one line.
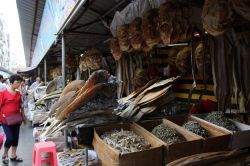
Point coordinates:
[[9, 10]]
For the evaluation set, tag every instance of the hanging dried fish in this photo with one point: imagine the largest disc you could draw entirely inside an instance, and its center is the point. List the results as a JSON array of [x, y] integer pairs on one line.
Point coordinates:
[[115, 49], [125, 141], [217, 16], [135, 33], [167, 134], [196, 128], [123, 37], [149, 28]]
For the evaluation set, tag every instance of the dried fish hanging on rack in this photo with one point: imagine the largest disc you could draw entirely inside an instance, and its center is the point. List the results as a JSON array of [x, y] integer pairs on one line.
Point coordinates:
[[91, 59], [217, 16], [149, 28], [115, 49], [242, 7], [91, 105], [174, 22], [144, 100], [183, 59]]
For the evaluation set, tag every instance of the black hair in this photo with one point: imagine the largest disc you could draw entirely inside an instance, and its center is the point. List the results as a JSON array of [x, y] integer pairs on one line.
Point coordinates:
[[14, 78], [1, 76]]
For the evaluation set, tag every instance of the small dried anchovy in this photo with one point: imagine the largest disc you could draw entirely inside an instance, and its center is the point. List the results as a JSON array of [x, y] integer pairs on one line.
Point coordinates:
[[167, 134], [196, 128], [125, 141], [219, 119]]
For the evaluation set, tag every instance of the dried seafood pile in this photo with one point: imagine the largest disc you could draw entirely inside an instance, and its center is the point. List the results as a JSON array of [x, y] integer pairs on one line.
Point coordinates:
[[196, 128], [41, 99], [88, 103], [167, 134], [146, 99], [125, 141], [91, 59], [219, 119], [74, 157]]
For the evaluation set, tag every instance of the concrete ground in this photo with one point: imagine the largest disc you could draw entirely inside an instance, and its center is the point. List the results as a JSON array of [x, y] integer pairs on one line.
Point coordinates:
[[25, 147]]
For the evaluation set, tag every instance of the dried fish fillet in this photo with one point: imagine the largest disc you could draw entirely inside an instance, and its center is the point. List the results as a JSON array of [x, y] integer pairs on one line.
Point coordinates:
[[125, 141]]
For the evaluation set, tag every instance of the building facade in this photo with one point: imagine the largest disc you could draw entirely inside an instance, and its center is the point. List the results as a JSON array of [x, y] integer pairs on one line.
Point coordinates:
[[4, 45]]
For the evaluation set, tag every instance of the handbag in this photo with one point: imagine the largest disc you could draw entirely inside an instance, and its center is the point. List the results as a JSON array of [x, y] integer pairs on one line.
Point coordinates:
[[14, 119]]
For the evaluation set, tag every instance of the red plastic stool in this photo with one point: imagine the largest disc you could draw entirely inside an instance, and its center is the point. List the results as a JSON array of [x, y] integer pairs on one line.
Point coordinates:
[[42, 148]]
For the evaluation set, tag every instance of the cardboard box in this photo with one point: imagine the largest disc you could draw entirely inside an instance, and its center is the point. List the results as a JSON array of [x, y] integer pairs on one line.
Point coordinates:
[[239, 139], [191, 146], [111, 157], [218, 140]]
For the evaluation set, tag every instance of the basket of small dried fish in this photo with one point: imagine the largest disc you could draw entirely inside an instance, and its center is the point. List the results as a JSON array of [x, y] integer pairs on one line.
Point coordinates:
[[240, 132], [126, 144], [214, 139], [177, 141], [76, 157]]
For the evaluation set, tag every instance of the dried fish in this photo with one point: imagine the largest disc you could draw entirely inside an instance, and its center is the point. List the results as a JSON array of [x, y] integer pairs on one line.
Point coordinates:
[[125, 141], [167, 134], [219, 119], [196, 128]]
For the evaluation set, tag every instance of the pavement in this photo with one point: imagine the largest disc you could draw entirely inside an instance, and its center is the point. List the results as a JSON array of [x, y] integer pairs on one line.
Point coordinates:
[[25, 147]]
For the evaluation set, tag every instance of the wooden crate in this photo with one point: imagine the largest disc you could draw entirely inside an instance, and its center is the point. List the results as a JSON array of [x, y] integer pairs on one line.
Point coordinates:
[[191, 146], [111, 157], [218, 140], [239, 139]]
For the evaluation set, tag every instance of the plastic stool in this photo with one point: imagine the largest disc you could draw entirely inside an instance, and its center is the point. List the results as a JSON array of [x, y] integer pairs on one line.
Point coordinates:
[[42, 148]]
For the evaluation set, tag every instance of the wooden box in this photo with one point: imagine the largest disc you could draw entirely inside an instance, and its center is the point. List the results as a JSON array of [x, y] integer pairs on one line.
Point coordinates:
[[217, 141], [111, 157], [239, 139], [178, 150]]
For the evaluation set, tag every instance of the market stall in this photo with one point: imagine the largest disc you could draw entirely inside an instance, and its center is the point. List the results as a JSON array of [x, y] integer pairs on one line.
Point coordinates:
[[133, 100]]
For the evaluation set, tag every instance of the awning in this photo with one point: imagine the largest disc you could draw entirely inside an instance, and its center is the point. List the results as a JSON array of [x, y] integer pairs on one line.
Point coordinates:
[[5, 70], [27, 69]]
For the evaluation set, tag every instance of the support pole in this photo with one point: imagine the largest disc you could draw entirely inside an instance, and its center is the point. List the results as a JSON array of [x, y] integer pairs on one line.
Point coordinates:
[[38, 71], [63, 61], [45, 70]]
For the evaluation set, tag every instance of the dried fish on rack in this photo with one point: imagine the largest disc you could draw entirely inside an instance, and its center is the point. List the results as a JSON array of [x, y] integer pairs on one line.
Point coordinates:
[[167, 134], [196, 128], [217, 16], [125, 141], [219, 119]]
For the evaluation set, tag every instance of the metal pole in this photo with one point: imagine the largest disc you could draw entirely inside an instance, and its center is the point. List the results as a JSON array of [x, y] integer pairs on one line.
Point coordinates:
[[38, 71], [45, 70], [63, 61]]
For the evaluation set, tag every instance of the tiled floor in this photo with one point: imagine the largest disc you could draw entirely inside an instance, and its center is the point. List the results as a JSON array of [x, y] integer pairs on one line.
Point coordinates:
[[25, 148]]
